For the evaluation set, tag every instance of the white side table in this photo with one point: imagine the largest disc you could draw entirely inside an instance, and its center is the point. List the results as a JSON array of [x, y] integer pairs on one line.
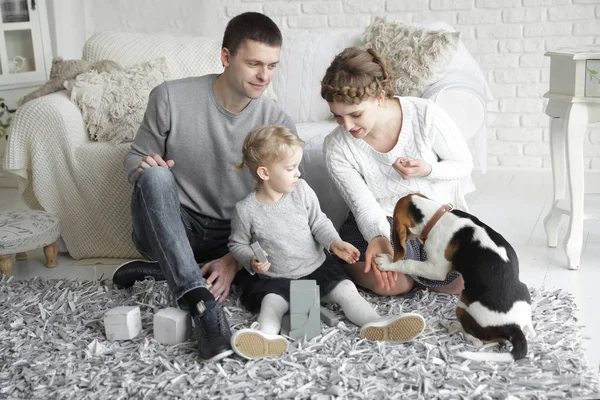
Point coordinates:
[[573, 102]]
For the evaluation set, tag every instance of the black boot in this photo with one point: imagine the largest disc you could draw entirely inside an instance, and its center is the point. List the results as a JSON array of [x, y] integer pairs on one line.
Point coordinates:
[[212, 331], [136, 270]]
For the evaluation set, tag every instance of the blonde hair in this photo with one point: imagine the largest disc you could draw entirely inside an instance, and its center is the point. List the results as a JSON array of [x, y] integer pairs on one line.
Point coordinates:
[[267, 144], [356, 75]]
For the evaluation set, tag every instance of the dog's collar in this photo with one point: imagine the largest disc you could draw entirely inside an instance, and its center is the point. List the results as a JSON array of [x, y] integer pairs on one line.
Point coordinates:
[[436, 217]]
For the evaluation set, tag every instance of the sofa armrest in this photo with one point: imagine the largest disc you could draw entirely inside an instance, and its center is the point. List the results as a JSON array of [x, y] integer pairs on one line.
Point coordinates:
[[467, 108], [50, 127], [44, 131]]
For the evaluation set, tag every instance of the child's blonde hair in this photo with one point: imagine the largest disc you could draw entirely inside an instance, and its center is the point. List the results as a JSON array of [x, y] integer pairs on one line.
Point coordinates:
[[267, 144]]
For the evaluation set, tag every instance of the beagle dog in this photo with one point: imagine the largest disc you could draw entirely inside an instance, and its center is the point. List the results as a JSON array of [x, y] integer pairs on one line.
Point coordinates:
[[495, 306]]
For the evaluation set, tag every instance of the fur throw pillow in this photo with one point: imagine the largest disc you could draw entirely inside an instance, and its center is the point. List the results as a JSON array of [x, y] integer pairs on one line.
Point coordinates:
[[63, 71], [418, 56], [113, 103]]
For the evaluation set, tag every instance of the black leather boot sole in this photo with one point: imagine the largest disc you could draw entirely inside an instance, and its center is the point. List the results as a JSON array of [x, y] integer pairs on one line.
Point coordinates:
[[137, 270]]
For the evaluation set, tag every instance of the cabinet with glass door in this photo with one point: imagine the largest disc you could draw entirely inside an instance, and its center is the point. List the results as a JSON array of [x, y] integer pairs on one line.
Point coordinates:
[[25, 52]]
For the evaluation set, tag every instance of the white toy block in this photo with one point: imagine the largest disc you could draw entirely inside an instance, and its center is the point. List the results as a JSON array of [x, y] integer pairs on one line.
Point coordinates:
[[122, 323], [172, 326]]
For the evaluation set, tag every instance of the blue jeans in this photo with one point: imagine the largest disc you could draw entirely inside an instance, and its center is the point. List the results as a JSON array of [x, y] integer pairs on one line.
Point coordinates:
[[175, 236]]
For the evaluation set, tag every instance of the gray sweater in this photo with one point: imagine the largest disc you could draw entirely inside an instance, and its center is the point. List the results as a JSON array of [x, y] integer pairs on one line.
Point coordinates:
[[186, 123], [293, 231]]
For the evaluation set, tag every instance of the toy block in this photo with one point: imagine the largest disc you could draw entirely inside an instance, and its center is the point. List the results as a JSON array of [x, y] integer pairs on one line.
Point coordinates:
[[285, 325], [311, 328], [258, 252], [302, 296], [329, 317], [304, 316], [122, 323], [172, 326]]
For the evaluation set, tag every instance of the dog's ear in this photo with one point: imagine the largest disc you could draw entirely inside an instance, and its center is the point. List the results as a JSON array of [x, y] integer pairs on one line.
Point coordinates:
[[400, 226], [399, 239]]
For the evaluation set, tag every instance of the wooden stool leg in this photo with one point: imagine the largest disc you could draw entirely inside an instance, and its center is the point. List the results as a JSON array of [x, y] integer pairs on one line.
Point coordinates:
[[50, 252], [21, 256], [6, 265]]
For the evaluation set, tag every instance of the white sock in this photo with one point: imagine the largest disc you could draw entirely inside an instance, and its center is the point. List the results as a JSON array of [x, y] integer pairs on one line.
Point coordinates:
[[272, 309], [355, 307]]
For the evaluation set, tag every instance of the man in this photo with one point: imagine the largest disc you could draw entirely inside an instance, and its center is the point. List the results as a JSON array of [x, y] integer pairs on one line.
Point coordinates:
[[184, 187]]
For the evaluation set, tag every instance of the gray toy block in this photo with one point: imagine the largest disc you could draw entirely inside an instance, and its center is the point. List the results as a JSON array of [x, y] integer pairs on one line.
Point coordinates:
[[258, 252], [329, 317], [122, 323], [285, 325], [297, 320], [311, 328], [303, 296], [172, 326]]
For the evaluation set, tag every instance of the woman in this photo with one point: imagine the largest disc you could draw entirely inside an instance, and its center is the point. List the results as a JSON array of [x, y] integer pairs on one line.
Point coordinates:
[[385, 147]]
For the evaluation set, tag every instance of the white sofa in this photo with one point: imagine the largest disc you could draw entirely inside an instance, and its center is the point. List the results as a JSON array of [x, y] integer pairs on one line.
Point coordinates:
[[83, 182]]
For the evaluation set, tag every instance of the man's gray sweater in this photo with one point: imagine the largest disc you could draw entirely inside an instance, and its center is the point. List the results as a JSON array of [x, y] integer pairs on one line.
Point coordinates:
[[186, 123]]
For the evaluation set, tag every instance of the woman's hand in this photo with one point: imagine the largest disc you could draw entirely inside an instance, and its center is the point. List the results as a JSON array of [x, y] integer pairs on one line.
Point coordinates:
[[345, 251], [379, 245], [411, 168]]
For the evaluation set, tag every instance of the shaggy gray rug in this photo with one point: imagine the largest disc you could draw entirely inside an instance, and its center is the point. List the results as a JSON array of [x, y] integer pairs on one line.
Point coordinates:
[[52, 345]]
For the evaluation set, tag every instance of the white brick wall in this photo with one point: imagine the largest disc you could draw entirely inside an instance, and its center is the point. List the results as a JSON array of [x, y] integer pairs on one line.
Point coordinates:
[[507, 37]]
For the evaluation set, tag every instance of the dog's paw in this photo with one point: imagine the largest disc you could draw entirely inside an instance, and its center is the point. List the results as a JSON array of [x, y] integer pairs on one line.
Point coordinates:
[[384, 262]]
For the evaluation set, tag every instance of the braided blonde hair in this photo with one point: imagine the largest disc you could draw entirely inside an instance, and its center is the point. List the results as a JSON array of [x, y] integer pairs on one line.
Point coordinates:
[[267, 144], [356, 75]]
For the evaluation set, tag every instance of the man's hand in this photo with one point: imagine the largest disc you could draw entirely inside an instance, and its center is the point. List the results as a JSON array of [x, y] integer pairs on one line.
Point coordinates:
[[345, 251], [411, 168], [222, 271], [379, 245], [154, 160]]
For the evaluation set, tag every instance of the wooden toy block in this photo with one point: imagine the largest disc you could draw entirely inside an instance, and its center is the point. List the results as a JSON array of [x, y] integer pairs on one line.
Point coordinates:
[[122, 323], [304, 316], [258, 252], [311, 328], [303, 296], [172, 326], [285, 325], [329, 317]]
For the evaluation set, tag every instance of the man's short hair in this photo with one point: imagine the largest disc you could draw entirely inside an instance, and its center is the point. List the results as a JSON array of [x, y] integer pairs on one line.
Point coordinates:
[[251, 26]]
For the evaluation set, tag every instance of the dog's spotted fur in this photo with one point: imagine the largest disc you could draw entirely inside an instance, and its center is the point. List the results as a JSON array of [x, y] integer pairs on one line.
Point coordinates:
[[494, 305]]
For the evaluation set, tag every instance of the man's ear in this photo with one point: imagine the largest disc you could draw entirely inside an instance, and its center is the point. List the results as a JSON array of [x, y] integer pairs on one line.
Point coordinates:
[[225, 57], [263, 173]]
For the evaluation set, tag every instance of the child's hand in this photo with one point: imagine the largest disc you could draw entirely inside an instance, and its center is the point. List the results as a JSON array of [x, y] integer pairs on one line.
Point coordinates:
[[345, 251], [411, 168], [258, 267]]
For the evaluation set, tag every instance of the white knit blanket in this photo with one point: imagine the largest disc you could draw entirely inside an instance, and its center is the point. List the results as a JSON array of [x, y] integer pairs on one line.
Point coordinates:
[[47, 163]]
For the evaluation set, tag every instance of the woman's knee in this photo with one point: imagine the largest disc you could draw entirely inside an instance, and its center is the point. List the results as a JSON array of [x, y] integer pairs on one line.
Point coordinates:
[[403, 285], [454, 287]]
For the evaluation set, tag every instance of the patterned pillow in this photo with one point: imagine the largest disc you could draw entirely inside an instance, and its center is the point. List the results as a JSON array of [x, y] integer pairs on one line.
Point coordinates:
[[113, 104], [418, 56]]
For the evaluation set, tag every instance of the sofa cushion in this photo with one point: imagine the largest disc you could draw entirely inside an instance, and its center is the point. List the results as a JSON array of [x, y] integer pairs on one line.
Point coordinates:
[[418, 56], [185, 55], [304, 59], [113, 104]]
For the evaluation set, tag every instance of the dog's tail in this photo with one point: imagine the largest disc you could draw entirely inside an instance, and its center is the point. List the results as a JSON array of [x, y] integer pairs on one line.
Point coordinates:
[[513, 334]]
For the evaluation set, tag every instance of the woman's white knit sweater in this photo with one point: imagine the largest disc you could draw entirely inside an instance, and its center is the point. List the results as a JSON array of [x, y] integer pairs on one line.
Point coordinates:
[[371, 186]]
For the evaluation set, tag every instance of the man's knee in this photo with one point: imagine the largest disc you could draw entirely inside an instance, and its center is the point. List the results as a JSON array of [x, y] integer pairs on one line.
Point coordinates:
[[156, 179]]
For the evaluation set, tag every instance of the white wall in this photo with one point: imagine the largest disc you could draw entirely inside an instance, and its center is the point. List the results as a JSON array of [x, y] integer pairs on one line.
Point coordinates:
[[507, 37]]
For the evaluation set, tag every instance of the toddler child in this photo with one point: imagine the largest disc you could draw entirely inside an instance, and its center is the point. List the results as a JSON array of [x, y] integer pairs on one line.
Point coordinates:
[[284, 217]]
